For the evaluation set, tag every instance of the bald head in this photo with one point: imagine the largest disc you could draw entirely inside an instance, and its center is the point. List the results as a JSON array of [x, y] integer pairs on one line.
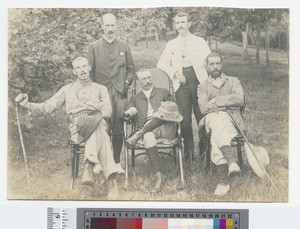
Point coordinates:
[[109, 26], [108, 18]]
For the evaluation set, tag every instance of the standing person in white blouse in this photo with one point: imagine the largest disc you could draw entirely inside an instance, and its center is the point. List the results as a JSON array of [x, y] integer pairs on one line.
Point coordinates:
[[87, 105], [183, 60]]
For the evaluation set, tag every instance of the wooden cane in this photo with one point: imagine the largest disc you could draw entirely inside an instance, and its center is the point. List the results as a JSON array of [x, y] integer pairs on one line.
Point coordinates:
[[250, 147], [23, 148]]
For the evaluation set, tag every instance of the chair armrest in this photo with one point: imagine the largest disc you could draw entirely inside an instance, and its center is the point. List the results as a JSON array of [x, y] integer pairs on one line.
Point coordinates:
[[127, 118]]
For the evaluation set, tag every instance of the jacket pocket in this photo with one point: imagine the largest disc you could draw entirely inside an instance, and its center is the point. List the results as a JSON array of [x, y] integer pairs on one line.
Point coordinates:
[[122, 58]]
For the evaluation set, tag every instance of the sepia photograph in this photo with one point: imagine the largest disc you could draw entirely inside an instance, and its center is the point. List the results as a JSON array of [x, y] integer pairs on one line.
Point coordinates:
[[148, 104]]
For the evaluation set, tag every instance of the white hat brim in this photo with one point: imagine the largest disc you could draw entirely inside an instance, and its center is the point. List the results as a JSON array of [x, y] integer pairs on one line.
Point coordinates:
[[261, 155], [158, 115]]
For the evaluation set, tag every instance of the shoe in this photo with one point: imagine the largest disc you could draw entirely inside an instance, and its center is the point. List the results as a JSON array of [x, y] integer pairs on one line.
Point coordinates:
[[88, 176], [113, 193], [132, 140], [221, 190], [233, 169], [97, 169], [119, 169], [158, 183]]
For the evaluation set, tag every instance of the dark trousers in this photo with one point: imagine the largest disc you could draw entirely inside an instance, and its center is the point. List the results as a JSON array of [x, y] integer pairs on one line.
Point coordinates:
[[118, 105], [186, 98]]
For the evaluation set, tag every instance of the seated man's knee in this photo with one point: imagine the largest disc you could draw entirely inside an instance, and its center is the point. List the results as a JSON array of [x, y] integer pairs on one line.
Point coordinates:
[[149, 139]]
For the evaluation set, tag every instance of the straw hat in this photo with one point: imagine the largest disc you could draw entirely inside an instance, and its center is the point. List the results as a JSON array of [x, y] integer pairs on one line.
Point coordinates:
[[168, 111], [261, 155]]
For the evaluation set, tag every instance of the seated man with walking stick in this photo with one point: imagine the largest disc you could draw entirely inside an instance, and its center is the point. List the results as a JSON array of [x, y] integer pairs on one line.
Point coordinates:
[[87, 105], [219, 95]]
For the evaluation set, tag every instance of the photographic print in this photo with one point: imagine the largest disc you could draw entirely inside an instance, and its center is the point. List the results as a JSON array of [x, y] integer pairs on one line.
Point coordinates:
[[148, 104]]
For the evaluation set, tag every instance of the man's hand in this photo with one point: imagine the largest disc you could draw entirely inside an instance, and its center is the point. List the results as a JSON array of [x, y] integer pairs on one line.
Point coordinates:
[[22, 99], [181, 78], [131, 111]]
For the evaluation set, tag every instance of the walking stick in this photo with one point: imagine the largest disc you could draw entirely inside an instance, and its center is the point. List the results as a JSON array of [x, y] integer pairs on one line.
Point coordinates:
[[250, 147], [23, 148]]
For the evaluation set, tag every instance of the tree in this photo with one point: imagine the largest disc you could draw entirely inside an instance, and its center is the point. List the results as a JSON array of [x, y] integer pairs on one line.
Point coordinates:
[[142, 24], [261, 20]]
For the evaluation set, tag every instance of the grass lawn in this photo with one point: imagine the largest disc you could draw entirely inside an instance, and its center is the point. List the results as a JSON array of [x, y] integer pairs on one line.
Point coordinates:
[[267, 89]]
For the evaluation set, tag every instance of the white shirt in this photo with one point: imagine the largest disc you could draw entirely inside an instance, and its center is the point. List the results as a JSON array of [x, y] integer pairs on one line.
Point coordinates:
[[186, 60], [218, 82], [147, 93]]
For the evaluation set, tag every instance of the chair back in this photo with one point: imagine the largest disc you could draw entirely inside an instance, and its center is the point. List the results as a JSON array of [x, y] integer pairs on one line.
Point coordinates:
[[160, 80], [243, 108]]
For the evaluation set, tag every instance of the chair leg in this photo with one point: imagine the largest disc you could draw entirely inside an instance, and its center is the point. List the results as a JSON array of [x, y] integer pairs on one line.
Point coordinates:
[[208, 157], [133, 158], [239, 153], [76, 162], [126, 166], [73, 155], [174, 156], [181, 166]]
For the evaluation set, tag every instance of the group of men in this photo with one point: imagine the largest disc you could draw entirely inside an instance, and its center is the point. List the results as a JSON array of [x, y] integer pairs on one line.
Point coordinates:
[[98, 99]]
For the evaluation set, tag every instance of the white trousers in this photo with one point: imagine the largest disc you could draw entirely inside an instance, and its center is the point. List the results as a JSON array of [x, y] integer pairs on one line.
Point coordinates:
[[222, 132], [98, 148]]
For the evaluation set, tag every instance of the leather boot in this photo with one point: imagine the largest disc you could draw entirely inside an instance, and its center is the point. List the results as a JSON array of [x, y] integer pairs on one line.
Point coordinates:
[[132, 140], [88, 176], [158, 182], [223, 181]]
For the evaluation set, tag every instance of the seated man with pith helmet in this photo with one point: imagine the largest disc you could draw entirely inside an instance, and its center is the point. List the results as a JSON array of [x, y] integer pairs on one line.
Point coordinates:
[[156, 117]]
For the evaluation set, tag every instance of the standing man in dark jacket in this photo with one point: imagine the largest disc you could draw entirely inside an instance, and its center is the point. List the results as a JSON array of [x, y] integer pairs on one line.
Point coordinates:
[[112, 66]]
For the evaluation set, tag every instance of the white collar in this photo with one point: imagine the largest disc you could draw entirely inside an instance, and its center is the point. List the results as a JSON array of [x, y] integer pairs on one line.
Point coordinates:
[[108, 40], [218, 82], [185, 37], [147, 93]]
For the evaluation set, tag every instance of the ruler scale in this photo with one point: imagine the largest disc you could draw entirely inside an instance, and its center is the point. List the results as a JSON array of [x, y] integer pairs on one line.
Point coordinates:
[[95, 218]]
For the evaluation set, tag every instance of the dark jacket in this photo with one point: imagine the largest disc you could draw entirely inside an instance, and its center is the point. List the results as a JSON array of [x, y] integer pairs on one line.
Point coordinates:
[[111, 63], [140, 102]]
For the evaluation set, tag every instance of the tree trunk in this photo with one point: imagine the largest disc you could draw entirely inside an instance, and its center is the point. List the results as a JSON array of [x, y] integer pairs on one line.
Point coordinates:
[[288, 48], [217, 46], [245, 41], [235, 35], [252, 40], [257, 46], [147, 42], [267, 42], [279, 41], [156, 38]]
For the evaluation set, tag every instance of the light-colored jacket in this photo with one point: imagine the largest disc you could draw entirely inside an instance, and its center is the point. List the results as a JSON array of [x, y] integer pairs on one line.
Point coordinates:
[[171, 58], [229, 97]]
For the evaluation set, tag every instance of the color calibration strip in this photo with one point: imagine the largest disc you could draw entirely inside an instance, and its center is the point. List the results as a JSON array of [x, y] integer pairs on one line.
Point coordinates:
[[145, 223], [97, 218], [165, 219]]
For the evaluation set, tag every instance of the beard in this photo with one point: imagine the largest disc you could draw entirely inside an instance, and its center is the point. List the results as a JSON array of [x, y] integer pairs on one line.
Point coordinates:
[[215, 74]]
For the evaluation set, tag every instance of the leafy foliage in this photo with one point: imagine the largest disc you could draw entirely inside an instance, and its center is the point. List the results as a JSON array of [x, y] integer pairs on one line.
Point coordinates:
[[43, 42]]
